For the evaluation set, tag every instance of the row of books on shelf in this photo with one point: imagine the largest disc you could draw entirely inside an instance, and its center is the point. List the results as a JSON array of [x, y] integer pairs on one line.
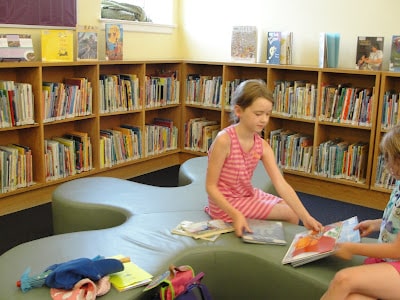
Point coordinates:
[[345, 104], [68, 155], [161, 136], [200, 133], [296, 98], [16, 104], [383, 177], [124, 143], [203, 90], [119, 92], [16, 167], [292, 150], [120, 144], [390, 109], [333, 158], [342, 160], [162, 89], [68, 99]]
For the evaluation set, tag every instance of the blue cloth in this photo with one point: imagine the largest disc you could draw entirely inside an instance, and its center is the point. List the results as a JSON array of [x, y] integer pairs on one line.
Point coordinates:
[[66, 275]]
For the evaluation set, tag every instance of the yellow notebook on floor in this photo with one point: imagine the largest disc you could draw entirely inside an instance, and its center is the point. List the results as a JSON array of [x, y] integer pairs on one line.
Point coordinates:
[[131, 277]]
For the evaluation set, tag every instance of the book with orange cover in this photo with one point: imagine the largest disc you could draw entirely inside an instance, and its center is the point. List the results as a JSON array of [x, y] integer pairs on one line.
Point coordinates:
[[309, 246]]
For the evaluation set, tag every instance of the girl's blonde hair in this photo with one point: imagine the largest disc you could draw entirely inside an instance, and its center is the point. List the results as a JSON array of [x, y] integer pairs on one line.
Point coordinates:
[[248, 91], [390, 144]]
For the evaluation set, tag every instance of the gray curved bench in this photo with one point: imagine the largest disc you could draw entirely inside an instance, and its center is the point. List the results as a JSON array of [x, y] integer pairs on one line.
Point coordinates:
[[109, 216]]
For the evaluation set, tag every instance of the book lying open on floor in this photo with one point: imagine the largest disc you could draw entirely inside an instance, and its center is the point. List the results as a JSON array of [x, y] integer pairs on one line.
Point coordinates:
[[209, 230], [265, 232], [130, 277], [309, 246]]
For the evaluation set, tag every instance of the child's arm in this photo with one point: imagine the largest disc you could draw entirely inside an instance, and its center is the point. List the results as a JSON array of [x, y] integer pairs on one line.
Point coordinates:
[[368, 226], [377, 250], [285, 190], [218, 153]]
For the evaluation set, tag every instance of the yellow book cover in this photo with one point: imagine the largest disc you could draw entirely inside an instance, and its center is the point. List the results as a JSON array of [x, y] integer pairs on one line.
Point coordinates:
[[131, 277], [57, 45]]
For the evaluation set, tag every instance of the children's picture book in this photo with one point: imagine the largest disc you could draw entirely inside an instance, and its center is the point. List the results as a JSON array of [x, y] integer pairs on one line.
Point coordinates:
[[286, 48], [132, 276], [394, 62], [309, 246], [16, 47], [114, 41], [208, 230], [369, 53], [265, 232], [57, 45], [244, 44], [87, 42], [274, 47]]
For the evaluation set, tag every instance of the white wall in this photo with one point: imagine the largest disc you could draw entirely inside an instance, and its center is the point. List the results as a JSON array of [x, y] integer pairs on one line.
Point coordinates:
[[207, 25]]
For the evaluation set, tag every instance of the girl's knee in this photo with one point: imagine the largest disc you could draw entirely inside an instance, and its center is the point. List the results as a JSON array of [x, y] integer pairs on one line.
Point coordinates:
[[341, 278]]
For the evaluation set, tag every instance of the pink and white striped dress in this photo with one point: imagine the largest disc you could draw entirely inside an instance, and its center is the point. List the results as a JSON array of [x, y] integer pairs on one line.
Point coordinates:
[[235, 182]]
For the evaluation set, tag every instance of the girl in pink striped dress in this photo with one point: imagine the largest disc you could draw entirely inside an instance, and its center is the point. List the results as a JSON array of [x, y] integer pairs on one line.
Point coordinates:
[[232, 159]]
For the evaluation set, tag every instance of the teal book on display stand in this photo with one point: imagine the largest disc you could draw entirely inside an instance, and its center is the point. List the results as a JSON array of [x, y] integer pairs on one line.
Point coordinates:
[[332, 43]]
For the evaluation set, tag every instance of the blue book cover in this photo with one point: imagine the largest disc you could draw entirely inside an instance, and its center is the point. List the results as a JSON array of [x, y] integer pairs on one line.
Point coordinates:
[[274, 47]]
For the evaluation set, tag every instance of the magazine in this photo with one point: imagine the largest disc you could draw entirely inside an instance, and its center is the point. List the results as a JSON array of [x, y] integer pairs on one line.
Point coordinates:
[[369, 53], [309, 246], [265, 232], [207, 230]]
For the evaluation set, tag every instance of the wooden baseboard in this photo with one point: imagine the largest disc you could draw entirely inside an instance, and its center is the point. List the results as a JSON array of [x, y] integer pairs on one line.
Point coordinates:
[[337, 191]]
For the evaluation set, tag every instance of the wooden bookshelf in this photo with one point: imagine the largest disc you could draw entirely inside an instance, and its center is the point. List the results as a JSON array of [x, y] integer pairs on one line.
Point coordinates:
[[34, 135]]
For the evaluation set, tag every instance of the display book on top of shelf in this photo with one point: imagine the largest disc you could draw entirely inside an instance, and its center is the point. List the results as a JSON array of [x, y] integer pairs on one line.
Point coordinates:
[[57, 45], [244, 43], [279, 47], [369, 53]]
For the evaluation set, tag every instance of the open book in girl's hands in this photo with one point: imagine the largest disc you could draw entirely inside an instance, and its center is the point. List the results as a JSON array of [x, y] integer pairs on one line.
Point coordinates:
[[265, 232], [310, 246]]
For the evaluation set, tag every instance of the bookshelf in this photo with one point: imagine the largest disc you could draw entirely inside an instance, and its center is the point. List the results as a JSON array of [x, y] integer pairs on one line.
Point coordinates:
[[151, 76], [387, 116]]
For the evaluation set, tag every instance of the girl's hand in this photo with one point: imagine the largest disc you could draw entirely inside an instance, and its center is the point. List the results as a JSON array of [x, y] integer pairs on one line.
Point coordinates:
[[312, 224], [343, 251], [368, 226], [240, 225]]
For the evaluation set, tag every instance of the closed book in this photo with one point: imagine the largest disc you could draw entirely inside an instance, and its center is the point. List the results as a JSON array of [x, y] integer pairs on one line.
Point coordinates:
[[265, 232], [132, 276]]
